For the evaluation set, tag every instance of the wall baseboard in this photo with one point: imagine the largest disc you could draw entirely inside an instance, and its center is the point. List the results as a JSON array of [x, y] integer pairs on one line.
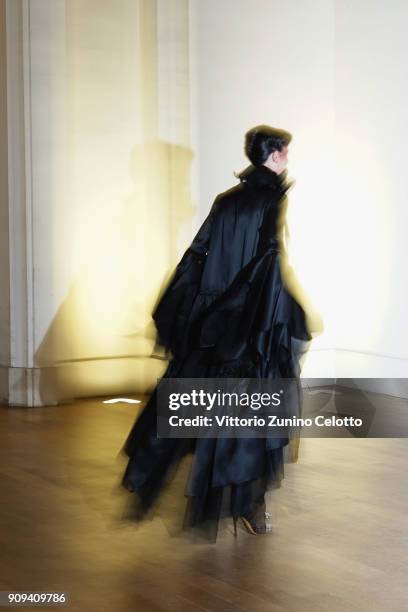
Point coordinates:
[[53, 385]]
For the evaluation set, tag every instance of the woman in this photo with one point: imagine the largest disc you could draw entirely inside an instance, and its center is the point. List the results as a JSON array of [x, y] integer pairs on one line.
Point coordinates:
[[226, 313]]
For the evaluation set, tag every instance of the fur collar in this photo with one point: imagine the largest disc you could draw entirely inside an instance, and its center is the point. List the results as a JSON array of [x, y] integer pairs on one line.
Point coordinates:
[[261, 176]]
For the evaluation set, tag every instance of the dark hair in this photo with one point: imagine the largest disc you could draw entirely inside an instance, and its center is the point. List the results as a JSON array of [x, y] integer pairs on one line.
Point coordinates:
[[261, 140]]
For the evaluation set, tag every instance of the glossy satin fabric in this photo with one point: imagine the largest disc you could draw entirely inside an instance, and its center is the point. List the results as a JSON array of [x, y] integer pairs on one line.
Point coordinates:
[[225, 312]]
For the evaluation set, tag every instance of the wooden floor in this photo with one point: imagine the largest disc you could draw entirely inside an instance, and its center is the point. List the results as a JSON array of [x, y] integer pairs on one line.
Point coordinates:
[[340, 539]]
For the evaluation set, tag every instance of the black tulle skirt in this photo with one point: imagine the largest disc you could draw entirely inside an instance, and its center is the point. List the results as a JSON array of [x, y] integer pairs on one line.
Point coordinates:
[[255, 330]]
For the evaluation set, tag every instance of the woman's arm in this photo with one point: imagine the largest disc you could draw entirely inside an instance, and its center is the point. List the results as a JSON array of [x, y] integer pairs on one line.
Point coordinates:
[[178, 296], [282, 227]]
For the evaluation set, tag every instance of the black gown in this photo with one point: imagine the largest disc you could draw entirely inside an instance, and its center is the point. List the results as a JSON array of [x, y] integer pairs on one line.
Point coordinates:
[[225, 312]]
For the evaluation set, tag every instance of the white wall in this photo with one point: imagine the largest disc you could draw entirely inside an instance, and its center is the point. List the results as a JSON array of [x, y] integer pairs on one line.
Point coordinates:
[[98, 107], [100, 152], [332, 73]]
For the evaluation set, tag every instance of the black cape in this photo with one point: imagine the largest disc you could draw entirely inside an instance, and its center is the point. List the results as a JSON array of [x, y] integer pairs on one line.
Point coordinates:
[[225, 312]]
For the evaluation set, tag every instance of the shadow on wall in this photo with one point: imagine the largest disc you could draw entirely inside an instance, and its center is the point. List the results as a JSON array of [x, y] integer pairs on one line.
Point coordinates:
[[131, 252]]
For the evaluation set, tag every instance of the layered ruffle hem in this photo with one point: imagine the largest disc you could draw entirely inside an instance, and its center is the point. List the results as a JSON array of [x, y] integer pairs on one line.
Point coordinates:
[[254, 329]]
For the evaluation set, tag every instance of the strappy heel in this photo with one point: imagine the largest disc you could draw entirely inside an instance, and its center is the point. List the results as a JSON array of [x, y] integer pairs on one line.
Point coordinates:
[[251, 526]]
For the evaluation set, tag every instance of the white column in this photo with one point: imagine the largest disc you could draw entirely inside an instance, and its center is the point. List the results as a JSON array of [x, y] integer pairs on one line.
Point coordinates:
[[96, 140]]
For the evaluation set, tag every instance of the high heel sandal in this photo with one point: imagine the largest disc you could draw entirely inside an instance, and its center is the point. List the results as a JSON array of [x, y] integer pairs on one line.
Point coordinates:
[[251, 526]]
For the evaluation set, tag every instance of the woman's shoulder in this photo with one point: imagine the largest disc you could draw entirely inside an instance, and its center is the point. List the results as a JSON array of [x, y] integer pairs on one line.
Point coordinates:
[[239, 200], [230, 194]]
